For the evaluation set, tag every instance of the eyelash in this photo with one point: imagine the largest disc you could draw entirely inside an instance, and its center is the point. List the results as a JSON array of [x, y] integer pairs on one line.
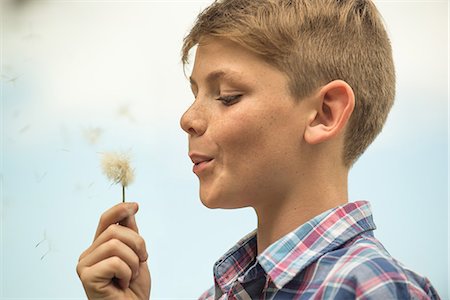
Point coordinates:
[[229, 100]]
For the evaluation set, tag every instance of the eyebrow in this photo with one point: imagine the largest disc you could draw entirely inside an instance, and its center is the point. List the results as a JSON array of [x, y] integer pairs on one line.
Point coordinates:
[[216, 75]]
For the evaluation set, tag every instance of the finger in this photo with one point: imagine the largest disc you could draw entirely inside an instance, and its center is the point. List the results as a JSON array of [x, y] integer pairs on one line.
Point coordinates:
[[130, 222], [105, 271], [124, 234], [113, 248], [116, 214]]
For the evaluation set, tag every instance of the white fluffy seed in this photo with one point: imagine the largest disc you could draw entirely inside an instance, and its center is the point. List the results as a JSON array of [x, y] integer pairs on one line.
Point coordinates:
[[116, 167]]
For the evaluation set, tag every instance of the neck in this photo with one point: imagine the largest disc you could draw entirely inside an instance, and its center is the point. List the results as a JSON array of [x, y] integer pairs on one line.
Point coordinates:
[[277, 217]]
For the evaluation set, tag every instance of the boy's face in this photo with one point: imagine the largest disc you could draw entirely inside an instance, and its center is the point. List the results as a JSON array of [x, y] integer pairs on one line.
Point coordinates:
[[245, 129]]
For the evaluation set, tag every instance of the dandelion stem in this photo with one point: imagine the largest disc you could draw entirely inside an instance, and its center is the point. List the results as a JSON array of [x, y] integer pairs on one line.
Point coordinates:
[[123, 193]]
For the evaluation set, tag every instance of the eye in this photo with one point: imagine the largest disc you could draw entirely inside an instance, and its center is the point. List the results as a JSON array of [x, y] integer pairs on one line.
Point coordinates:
[[229, 99]]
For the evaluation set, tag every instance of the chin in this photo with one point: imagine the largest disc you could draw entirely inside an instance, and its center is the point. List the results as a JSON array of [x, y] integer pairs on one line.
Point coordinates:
[[221, 201], [210, 205], [210, 202]]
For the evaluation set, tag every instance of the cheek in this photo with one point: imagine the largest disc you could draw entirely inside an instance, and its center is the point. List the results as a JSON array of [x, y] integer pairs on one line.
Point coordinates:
[[247, 147], [256, 143], [238, 138], [241, 137]]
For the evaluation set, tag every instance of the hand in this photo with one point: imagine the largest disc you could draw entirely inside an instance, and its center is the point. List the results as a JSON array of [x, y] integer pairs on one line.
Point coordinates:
[[115, 265]]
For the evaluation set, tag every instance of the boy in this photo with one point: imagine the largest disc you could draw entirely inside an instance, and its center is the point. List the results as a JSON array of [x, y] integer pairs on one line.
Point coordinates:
[[288, 94]]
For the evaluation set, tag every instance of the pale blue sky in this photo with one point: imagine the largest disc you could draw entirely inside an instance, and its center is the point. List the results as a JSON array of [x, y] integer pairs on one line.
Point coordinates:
[[96, 76]]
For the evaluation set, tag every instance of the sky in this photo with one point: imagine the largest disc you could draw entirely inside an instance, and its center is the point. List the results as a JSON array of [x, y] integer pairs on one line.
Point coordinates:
[[82, 77]]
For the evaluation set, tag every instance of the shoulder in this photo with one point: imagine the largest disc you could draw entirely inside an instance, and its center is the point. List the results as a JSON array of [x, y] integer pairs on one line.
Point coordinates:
[[363, 269]]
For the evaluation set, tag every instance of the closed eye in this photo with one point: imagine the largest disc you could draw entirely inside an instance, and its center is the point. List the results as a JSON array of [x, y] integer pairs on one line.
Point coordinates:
[[229, 99]]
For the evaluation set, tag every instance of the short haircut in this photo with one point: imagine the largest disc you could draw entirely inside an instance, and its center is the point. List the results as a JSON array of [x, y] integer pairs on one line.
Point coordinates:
[[314, 42]]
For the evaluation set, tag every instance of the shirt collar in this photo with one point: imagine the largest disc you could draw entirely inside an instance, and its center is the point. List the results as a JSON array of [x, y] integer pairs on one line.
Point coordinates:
[[234, 262], [291, 254]]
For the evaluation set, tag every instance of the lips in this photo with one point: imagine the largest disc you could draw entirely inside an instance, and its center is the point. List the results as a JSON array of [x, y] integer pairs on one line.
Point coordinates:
[[199, 158], [201, 162]]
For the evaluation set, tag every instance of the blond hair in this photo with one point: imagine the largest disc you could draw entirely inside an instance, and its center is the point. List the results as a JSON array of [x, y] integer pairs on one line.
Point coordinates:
[[314, 42]]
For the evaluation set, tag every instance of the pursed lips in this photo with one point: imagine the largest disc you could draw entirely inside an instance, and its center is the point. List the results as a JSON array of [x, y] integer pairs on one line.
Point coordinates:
[[198, 158], [199, 161]]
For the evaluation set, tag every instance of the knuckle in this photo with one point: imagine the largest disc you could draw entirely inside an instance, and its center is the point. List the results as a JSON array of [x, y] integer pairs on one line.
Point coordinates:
[[140, 244], [114, 243], [84, 275], [142, 249], [83, 278], [84, 254], [81, 256], [116, 262], [112, 229]]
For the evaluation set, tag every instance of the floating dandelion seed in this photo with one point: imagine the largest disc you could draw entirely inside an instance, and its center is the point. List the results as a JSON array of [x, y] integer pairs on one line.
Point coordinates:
[[16, 114], [92, 135], [49, 245], [124, 111], [24, 129], [39, 176], [10, 79], [116, 167]]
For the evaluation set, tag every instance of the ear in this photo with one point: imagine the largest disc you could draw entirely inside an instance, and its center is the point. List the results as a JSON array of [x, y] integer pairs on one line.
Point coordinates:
[[333, 106]]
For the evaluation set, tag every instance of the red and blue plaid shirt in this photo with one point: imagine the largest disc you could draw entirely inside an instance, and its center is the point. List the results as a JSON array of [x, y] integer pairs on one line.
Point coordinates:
[[333, 256]]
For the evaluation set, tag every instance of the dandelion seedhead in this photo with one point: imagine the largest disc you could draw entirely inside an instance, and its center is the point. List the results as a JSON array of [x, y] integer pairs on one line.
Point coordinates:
[[116, 167]]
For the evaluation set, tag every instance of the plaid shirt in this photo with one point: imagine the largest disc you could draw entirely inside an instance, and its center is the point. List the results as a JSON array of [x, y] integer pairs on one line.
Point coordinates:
[[333, 256]]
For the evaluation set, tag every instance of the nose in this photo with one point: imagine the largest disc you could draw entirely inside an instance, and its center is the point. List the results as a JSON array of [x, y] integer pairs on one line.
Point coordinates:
[[193, 121]]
